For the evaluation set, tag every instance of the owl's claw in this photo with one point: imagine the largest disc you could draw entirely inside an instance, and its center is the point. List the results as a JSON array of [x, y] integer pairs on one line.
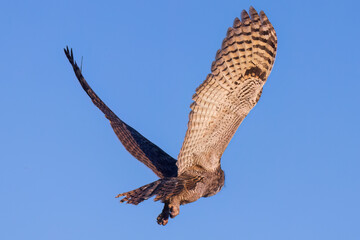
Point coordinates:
[[163, 217]]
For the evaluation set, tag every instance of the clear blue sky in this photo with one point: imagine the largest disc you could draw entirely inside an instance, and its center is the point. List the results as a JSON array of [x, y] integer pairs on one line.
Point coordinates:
[[292, 169]]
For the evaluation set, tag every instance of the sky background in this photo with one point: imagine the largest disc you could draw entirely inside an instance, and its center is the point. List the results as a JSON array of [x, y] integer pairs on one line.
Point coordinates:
[[292, 169]]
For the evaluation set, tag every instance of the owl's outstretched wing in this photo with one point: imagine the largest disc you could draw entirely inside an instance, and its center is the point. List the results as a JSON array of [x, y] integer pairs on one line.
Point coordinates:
[[230, 91], [142, 149]]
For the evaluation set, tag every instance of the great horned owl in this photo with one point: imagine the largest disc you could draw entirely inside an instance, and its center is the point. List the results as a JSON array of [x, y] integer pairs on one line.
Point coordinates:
[[221, 102]]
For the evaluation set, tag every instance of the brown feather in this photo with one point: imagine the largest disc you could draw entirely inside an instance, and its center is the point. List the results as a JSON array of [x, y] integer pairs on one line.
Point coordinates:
[[142, 149]]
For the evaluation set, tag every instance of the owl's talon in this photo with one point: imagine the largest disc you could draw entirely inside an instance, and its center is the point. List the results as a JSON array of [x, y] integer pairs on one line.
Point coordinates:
[[163, 217]]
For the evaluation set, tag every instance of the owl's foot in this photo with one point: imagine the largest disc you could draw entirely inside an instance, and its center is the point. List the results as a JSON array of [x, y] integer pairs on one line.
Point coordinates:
[[163, 217]]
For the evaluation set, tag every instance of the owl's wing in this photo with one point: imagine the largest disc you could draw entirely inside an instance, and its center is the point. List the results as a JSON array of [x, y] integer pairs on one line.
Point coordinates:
[[142, 149], [230, 91]]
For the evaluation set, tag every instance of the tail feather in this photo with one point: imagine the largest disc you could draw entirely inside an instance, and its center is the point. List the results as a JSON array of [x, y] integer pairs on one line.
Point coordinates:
[[168, 189], [163, 189], [140, 194]]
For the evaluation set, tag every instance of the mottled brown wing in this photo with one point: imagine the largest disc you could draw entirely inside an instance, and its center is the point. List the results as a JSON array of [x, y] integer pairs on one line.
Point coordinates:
[[230, 91], [142, 149]]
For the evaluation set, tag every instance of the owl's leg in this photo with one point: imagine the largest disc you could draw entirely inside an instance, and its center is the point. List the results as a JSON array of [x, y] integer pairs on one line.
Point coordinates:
[[163, 217], [174, 207]]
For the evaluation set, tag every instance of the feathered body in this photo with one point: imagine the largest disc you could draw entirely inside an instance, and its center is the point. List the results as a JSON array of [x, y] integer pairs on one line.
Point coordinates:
[[221, 103]]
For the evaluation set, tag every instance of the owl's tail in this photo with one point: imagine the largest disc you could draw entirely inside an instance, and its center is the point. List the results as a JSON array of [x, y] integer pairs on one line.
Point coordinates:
[[164, 189]]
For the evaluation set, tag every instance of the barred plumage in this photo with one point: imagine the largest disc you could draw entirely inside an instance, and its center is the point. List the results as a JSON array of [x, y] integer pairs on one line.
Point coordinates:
[[221, 102]]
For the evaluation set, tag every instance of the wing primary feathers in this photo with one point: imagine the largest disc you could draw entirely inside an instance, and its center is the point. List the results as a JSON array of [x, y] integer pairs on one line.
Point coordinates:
[[137, 145]]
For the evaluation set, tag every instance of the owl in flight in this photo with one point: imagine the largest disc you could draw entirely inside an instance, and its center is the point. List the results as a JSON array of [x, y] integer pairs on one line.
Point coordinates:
[[220, 104]]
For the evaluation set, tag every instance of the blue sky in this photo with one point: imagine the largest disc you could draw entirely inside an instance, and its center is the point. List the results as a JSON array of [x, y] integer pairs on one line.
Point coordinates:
[[292, 169]]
